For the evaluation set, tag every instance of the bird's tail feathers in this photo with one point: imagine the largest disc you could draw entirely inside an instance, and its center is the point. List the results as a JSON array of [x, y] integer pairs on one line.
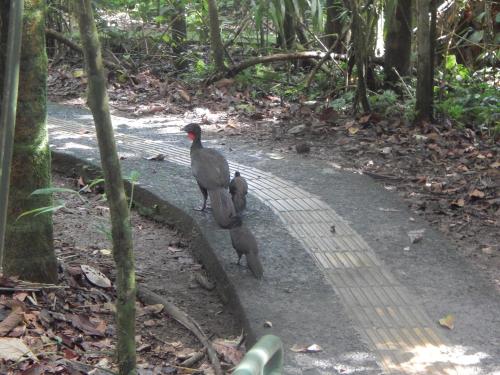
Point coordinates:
[[254, 264], [222, 207]]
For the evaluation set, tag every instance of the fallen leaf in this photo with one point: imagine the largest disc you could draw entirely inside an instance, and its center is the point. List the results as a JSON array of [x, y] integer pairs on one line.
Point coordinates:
[[487, 250], [229, 350], [364, 119], [7, 282], [476, 194], [153, 309], [70, 354], [78, 73], [458, 203], [109, 306], [144, 347], [314, 348], [184, 95], [14, 349], [448, 321], [158, 157], [13, 319], [84, 324], [174, 249], [353, 130], [224, 82], [106, 252], [20, 296], [95, 276], [275, 156]]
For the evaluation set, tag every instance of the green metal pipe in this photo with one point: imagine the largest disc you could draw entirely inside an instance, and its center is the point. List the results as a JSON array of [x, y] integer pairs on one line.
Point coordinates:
[[8, 111], [265, 358]]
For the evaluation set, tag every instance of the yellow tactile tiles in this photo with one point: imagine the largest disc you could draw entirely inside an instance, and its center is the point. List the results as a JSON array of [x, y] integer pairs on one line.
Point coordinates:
[[387, 316]]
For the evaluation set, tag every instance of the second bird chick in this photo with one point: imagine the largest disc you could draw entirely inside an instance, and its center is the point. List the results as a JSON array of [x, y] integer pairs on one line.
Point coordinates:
[[245, 243], [239, 190]]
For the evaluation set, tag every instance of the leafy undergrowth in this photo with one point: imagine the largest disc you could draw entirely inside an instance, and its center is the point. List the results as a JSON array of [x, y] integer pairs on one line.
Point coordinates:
[[70, 329]]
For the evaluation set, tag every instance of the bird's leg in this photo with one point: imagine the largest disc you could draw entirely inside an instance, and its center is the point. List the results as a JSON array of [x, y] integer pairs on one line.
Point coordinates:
[[239, 259], [204, 192]]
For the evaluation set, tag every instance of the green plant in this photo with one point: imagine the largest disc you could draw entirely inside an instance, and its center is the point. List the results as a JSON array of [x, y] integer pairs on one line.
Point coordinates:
[[343, 102], [469, 98], [133, 178], [383, 102]]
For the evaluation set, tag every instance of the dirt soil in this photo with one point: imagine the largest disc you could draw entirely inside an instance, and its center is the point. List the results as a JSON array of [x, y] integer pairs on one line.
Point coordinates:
[[72, 330]]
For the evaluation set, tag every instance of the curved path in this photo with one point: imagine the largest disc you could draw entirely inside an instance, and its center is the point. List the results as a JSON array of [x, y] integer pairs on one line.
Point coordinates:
[[389, 317]]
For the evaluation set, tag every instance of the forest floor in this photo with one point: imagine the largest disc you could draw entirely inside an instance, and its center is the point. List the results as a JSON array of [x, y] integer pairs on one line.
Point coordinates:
[[72, 329], [448, 174]]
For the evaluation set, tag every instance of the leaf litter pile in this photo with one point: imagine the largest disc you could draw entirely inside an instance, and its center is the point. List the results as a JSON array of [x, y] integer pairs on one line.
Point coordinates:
[[70, 328]]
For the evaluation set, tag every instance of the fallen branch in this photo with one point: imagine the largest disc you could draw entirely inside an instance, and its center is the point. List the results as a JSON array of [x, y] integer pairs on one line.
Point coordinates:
[[151, 298], [50, 33], [321, 62], [234, 70], [15, 317], [191, 361]]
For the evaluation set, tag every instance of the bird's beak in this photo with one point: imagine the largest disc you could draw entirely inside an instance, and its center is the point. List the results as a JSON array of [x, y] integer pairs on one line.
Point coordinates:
[[184, 128]]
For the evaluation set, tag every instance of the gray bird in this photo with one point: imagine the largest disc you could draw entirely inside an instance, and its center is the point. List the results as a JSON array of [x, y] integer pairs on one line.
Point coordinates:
[[245, 244], [238, 188], [211, 171]]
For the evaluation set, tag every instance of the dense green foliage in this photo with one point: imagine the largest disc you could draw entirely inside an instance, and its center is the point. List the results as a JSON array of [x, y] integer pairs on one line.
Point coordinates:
[[143, 34], [469, 97]]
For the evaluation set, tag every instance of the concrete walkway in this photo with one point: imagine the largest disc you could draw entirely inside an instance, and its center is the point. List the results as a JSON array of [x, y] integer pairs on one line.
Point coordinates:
[[333, 248]]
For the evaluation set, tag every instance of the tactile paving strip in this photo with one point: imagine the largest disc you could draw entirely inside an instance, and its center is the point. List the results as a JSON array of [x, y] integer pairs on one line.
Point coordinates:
[[389, 319]]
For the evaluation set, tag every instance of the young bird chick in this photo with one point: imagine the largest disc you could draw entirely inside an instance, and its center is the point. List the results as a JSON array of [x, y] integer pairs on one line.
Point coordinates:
[[238, 188], [245, 244]]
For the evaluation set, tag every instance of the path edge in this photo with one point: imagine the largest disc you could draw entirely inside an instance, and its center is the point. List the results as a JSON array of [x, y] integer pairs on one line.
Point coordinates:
[[153, 207]]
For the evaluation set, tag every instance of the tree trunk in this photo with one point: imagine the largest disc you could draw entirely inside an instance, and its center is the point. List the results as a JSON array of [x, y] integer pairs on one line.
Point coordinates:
[[179, 27], [289, 27], [179, 33], [120, 215], [360, 44], [215, 38], [286, 37], [424, 94], [398, 41], [30, 169], [333, 26]]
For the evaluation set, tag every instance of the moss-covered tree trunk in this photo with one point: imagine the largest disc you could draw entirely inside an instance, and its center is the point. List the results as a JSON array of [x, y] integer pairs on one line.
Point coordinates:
[[123, 253], [29, 250], [398, 41], [215, 38]]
